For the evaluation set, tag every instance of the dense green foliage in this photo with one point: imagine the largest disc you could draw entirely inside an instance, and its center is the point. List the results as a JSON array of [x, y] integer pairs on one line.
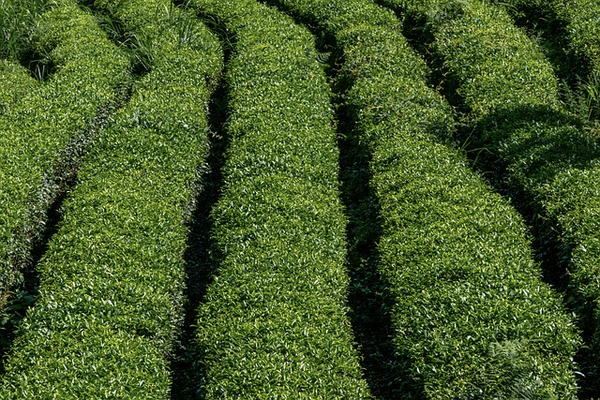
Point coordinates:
[[45, 130], [570, 33], [15, 83], [111, 282], [547, 161], [580, 19], [273, 325], [471, 317]]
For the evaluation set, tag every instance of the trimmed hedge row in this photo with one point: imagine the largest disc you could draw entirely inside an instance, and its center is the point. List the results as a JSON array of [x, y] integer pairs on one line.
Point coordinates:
[[50, 123], [573, 26], [542, 147], [548, 162], [471, 317], [580, 19], [274, 324], [111, 282], [476, 39]]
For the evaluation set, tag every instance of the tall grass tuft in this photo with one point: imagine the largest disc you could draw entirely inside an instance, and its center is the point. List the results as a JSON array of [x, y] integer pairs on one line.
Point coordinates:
[[584, 99], [17, 22]]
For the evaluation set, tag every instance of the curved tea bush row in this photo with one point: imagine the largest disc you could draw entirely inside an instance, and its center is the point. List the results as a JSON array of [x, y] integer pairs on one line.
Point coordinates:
[[49, 123], [273, 325], [545, 157], [580, 18], [471, 317], [15, 83], [510, 69], [111, 282], [574, 25]]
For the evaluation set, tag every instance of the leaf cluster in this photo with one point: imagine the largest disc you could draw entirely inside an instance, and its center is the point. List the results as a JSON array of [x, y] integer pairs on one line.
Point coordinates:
[[15, 83]]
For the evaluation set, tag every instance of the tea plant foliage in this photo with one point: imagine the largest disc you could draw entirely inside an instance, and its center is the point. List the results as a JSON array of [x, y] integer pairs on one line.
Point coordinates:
[[274, 323]]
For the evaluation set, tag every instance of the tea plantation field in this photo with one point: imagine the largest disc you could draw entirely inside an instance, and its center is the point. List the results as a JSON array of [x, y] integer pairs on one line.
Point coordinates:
[[299, 199]]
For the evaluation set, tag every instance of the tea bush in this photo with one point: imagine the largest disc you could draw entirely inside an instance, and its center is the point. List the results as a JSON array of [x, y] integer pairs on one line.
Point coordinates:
[[579, 18], [21, 83], [274, 324], [45, 131], [537, 149]]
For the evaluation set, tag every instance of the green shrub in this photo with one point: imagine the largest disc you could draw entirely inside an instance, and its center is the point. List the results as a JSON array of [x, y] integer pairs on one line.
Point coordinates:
[[21, 83], [573, 25], [581, 20], [541, 153], [578, 17]]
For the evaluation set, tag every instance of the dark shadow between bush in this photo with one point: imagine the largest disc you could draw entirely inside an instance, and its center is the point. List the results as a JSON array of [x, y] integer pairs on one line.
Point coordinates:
[[200, 257], [186, 363], [368, 296]]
